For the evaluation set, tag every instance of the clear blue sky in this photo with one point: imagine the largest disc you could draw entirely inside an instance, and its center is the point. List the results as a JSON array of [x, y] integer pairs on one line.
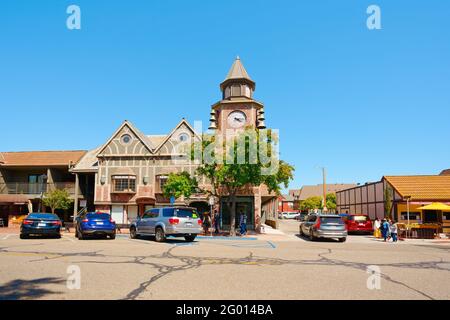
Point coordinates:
[[362, 103]]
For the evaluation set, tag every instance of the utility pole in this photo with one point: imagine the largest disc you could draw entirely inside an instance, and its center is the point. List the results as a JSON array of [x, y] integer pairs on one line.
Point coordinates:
[[324, 173]]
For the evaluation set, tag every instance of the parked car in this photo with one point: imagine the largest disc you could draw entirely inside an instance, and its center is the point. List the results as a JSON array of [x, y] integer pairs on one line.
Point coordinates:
[[164, 222], [41, 224], [95, 224], [290, 215], [324, 226], [301, 216], [358, 223]]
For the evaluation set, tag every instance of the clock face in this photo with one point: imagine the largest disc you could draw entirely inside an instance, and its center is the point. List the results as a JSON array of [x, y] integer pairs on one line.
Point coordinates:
[[237, 119]]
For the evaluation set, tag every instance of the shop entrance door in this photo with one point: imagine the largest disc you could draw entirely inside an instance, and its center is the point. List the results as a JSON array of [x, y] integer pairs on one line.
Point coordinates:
[[117, 214], [243, 205]]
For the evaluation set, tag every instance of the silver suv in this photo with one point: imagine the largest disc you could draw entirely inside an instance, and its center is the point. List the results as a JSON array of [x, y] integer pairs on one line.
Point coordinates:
[[324, 226], [163, 222]]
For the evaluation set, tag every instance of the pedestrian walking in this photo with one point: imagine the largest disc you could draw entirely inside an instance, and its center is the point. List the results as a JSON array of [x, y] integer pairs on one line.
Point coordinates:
[[216, 222], [243, 223], [376, 228], [385, 230], [206, 222], [394, 231]]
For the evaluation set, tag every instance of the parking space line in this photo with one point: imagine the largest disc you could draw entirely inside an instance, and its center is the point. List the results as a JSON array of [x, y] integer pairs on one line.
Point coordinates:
[[8, 235]]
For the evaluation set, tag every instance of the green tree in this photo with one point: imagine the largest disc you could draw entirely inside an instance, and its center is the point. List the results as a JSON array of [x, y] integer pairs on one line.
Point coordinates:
[[243, 168], [57, 199], [311, 203], [331, 201], [180, 184], [388, 202]]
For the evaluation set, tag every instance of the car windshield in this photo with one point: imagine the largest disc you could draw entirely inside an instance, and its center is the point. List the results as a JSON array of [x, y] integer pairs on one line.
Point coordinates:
[[331, 220], [45, 216], [97, 216], [359, 218], [186, 213]]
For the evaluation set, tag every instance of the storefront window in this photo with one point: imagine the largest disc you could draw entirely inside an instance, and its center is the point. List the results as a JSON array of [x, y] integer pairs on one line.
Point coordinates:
[[412, 216]]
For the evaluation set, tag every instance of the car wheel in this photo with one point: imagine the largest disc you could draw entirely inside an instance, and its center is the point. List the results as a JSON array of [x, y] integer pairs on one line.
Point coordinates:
[[133, 233], [58, 236], [159, 235], [190, 238], [342, 239], [23, 236], [112, 236]]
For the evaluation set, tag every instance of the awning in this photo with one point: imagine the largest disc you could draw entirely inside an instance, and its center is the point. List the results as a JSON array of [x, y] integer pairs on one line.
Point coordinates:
[[437, 206], [14, 199]]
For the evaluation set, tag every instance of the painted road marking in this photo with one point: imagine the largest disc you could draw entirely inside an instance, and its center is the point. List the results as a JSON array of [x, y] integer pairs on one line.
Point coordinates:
[[227, 238], [9, 235]]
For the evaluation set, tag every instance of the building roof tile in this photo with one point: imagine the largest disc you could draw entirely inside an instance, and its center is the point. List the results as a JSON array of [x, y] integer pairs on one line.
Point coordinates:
[[40, 158], [426, 188]]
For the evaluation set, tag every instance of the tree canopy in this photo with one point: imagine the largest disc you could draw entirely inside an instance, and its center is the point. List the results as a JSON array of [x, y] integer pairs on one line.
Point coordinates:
[[180, 184], [57, 199]]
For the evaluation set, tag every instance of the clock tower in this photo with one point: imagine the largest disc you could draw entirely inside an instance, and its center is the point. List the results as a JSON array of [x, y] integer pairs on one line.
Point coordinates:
[[237, 109]]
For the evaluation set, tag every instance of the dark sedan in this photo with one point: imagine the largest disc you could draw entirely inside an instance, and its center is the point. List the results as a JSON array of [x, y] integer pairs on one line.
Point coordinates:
[[40, 224]]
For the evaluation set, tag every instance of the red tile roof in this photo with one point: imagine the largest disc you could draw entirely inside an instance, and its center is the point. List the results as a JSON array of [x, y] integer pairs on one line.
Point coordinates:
[[427, 188], [40, 158]]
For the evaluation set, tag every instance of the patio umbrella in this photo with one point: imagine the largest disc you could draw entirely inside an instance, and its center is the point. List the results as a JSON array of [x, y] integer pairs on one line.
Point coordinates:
[[437, 206]]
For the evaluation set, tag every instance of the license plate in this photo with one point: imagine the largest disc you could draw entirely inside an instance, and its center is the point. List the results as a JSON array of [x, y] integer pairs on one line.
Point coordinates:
[[189, 225], [361, 224], [42, 224], [100, 223]]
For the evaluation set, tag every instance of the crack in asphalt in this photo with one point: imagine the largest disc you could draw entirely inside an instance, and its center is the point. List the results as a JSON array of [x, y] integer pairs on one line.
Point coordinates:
[[191, 263]]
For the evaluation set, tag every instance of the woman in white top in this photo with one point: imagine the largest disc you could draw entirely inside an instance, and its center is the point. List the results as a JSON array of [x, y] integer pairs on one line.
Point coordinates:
[[376, 228]]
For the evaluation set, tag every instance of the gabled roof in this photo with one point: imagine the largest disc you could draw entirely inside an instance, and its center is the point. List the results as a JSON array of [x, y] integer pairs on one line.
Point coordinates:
[[88, 163], [143, 138], [288, 198], [426, 188], [40, 158], [317, 191], [167, 138]]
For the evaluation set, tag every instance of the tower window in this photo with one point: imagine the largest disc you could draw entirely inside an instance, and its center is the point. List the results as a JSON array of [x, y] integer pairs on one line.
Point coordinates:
[[236, 90], [227, 92]]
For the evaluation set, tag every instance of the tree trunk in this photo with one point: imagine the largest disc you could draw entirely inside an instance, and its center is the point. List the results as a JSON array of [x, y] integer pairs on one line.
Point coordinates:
[[232, 207]]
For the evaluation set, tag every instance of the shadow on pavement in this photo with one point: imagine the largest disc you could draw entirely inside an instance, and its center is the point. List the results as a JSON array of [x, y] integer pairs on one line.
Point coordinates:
[[28, 289], [316, 240]]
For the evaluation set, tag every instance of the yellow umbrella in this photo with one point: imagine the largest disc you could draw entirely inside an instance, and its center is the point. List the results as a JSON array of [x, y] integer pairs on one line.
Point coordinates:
[[437, 206]]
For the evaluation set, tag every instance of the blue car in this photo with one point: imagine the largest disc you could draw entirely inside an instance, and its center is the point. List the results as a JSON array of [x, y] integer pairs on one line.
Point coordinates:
[[95, 225], [40, 224]]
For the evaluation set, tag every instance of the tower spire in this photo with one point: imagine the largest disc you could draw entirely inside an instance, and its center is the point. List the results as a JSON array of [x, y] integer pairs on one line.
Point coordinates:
[[238, 74]]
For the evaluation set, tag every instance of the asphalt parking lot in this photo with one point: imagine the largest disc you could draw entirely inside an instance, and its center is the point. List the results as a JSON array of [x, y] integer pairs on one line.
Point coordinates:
[[269, 267]]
